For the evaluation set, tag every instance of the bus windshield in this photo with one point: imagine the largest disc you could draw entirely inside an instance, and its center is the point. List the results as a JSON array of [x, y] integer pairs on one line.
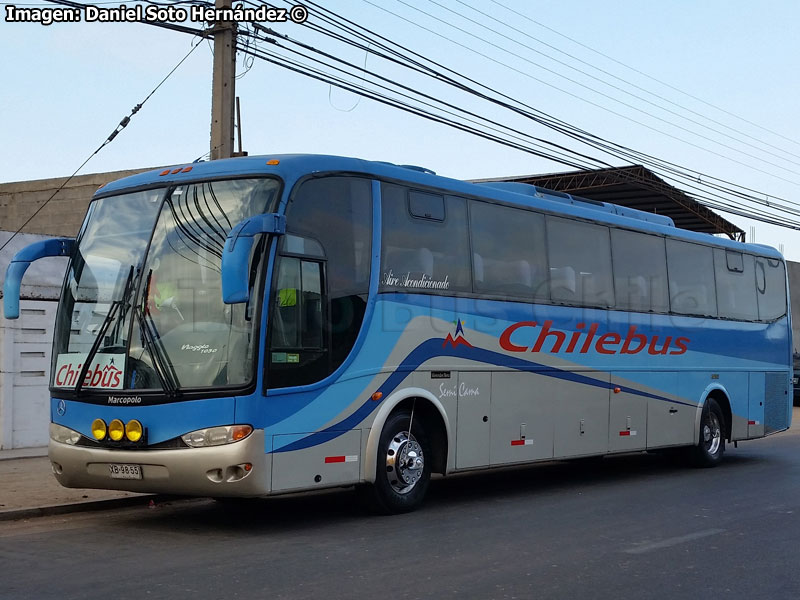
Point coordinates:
[[142, 301]]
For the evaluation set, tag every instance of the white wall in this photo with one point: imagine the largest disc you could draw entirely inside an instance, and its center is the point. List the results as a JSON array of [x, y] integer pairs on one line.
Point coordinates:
[[25, 347]]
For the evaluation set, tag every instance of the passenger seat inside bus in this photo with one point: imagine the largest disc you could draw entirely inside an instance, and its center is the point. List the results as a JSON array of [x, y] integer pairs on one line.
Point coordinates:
[[515, 276], [563, 283], [416, 261], [633, 292], [691, 299]]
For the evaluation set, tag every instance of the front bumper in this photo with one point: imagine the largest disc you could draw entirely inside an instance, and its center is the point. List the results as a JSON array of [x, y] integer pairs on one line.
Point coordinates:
[[214, 471]]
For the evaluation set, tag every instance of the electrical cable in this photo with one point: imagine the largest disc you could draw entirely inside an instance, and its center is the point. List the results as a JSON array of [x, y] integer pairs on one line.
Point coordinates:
[[629, 84], [607, 96], [276, 59], [454, 116], [693, 178], [535, 114], [644, 74], [697, 178], [282, 62], [122, 125], [356, 67]]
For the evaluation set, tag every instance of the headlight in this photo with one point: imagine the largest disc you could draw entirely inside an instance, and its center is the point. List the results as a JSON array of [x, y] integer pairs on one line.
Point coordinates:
[[216, 436], [64, 435]]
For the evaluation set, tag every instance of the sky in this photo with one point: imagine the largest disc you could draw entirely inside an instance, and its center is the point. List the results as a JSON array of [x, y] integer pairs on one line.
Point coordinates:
[[717, 85]]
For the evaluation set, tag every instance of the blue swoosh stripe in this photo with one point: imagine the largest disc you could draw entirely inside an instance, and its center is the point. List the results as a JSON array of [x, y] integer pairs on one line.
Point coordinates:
[[433, 348]]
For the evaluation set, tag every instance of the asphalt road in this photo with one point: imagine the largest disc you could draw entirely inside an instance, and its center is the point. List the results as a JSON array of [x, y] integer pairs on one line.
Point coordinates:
[[640, 526]]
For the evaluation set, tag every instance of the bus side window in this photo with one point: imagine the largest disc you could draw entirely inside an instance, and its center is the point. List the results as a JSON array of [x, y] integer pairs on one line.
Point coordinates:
[[691, 278], [580, 262], [736, 290], [640, 271], [425, 242], [509, 251], [770, 288]]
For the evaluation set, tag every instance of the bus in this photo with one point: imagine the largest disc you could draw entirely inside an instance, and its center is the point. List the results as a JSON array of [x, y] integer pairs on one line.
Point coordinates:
[[267, 325]]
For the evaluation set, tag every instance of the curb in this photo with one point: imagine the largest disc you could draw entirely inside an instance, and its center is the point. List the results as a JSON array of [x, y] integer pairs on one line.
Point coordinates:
[[75, 507], [17, 453]]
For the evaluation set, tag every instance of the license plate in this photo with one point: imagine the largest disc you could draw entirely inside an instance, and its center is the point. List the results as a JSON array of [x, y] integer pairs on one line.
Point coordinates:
[[118, 471]]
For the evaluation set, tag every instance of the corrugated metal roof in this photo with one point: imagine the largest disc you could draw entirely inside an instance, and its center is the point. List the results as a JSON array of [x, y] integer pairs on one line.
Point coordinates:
[[635, 187]]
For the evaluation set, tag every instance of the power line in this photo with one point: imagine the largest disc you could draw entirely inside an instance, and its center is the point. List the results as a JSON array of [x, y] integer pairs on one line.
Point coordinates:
[[530, 112], [642, 73], [352, 67], [320, 75], [528, 75], [569, 129], [122, 125], [709, 196], [617, 87], [604, 95]]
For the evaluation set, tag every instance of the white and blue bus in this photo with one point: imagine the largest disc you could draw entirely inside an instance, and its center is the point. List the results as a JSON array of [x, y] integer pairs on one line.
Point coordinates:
[[266, 325]]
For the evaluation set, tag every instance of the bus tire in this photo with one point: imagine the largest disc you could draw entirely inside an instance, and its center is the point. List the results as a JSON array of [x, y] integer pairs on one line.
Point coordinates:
[[711, 446], [403, 466]]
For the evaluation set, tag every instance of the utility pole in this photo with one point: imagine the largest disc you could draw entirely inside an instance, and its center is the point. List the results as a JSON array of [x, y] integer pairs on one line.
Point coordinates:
[[223, 87]]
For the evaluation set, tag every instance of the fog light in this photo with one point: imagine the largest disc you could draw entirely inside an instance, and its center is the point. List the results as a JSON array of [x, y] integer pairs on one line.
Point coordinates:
[[116, 430], [134, 430], [99, 429]]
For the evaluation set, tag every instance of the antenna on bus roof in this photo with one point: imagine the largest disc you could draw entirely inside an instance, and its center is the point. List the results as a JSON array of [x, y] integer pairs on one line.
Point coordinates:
[[239, 130]]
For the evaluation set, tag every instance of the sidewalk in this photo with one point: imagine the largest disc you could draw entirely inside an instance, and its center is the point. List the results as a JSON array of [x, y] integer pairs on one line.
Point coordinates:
[[28, 489]]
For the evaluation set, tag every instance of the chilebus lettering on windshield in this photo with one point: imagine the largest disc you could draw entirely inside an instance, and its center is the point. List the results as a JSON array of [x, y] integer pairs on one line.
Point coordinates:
[[106, 371]]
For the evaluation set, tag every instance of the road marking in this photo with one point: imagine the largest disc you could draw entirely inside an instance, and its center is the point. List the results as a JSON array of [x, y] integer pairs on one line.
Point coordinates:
[[673, 541]]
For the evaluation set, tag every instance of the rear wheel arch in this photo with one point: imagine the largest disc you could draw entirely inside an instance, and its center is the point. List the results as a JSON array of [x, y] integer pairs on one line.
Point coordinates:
[[721, 398], [720, 395]]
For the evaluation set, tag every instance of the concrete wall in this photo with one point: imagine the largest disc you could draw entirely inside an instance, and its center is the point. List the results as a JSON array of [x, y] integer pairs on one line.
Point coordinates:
[[794, 290], [44, 277], [63, 215]]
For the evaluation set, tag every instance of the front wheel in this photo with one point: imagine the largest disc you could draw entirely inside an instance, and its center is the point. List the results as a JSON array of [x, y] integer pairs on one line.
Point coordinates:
[[708, 453], [403, 466]]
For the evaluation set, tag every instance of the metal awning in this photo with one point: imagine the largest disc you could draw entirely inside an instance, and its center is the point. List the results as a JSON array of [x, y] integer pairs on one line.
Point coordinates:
[[635, 187]]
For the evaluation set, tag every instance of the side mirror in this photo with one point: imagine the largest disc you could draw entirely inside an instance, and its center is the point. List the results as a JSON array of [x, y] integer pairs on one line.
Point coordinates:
[[236, 254], [20, 263]]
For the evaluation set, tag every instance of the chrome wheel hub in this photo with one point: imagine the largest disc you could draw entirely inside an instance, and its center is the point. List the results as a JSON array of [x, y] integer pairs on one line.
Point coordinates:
[[712, 434], [405, 462]]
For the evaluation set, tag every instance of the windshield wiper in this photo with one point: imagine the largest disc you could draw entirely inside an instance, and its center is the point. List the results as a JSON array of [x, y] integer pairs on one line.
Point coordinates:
[[101, 332], [162, 367]]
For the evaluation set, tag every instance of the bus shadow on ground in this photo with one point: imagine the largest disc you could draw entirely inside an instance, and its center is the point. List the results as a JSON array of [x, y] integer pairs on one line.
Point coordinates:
[[342, 505]]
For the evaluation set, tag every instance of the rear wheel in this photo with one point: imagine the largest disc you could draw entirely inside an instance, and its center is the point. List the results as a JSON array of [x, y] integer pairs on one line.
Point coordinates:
[[708, 453], [403, 466]]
